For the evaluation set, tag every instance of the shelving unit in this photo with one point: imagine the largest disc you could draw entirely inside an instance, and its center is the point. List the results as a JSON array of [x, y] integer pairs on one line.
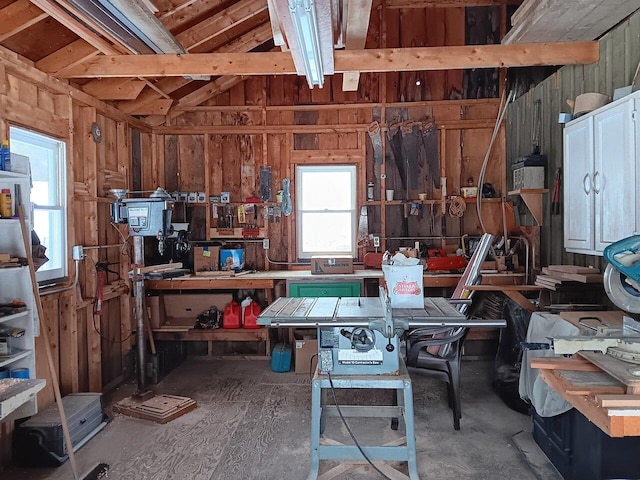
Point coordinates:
[[532, 197], [17, 396]]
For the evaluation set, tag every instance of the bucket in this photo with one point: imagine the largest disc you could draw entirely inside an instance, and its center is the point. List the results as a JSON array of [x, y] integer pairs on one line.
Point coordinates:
[[232, 259]]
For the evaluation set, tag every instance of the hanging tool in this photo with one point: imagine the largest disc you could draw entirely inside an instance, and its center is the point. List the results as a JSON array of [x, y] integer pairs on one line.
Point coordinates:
[[555, 197], [363, 227], [287, 205]]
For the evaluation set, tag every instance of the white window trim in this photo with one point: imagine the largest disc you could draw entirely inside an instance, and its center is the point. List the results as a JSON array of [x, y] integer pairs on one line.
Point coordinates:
[[354, 213], [62, 271]]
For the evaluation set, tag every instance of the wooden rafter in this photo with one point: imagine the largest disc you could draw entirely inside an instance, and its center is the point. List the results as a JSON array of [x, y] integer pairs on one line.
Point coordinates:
[[244, 43], [358, 13], [73, 54], [18, 16], [220, 23], [372, 60]]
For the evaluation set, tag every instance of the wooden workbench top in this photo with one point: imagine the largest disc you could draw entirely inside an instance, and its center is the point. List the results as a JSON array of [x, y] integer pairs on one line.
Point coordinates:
[[267, 279]]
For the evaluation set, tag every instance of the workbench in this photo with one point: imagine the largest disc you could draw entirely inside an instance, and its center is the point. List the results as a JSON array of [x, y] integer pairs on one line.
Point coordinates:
[[603, 388], [273, 281]]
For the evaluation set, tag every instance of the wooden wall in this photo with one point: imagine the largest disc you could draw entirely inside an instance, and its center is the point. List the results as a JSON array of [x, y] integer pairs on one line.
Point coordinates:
[[278, 121], [619, 57], [86, 360]]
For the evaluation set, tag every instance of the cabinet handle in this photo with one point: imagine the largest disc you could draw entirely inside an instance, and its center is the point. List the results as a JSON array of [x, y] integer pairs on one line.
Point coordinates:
[[586, 184], [595, 175]]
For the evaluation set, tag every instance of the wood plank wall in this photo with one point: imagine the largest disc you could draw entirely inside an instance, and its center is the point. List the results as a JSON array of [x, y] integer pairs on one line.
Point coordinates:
[[619, 57], [86, 360], [278, 121]]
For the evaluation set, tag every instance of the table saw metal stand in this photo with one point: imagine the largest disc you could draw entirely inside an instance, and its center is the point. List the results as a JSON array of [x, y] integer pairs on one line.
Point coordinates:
[[400, 382]]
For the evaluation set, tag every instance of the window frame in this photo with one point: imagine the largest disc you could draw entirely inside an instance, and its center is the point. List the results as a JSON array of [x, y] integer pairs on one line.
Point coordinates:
[[353, 210], [59, 147]]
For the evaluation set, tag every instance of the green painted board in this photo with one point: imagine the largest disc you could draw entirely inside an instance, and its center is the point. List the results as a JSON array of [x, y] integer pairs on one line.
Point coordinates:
[[325, 289]]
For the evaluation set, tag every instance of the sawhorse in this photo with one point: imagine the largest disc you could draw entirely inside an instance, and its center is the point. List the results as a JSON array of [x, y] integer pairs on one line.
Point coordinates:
[[401, 383]]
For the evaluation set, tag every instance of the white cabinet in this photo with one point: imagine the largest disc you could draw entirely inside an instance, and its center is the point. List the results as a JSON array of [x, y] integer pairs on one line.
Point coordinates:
[[600, 172], [17, 398]]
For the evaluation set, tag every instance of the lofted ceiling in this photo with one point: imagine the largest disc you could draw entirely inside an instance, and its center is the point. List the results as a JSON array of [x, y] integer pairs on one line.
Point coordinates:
[[222, 42]]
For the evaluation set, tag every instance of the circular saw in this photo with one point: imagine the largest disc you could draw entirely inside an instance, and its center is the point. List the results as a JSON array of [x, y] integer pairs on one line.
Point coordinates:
[[622, 275]]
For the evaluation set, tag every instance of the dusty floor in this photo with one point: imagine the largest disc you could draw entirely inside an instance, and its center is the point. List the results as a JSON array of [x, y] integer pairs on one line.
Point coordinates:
[[252, 423]]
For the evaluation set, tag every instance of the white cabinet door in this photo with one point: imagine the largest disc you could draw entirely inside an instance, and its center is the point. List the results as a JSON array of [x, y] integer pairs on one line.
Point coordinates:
[[614, 174], [578, 188]]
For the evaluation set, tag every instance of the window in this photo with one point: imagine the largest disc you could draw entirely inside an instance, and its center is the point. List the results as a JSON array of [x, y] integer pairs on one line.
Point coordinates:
[[47, 159], [326, 210]]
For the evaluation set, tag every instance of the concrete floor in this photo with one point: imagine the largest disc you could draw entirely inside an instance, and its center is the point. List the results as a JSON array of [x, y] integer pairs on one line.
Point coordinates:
[[252, 423]]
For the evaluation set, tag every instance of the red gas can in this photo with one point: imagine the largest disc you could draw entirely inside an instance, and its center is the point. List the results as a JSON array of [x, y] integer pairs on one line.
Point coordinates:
[[231, 315], [251, 315]]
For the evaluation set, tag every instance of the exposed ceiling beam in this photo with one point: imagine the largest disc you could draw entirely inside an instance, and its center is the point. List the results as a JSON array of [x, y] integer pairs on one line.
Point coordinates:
[[244, 43], [220, 23], [19, 16], [218, 86], [358, 13], [371, 60], [448, 3], [73, 54]]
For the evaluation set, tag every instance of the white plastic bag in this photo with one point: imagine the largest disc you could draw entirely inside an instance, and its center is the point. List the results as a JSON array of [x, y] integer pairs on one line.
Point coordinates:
[[405, 285]]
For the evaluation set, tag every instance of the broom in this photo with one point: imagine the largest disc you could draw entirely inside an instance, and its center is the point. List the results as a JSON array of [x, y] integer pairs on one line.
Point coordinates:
[[100, 471]]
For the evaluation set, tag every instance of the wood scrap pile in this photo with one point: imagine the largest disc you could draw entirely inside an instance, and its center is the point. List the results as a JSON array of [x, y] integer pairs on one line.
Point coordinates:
[[566, 20], [555, 276]]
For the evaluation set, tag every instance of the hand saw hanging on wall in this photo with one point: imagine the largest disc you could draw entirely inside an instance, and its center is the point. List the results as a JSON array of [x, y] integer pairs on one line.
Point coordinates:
[[363, 227]]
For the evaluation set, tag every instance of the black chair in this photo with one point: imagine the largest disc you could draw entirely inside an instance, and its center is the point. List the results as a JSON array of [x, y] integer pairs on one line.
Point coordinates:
[[437, 351]]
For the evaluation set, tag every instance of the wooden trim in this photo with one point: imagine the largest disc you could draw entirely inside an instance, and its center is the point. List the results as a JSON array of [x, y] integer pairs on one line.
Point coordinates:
[[370, 60], [353, 155], [30, 116], [275, 129], [337, 106]]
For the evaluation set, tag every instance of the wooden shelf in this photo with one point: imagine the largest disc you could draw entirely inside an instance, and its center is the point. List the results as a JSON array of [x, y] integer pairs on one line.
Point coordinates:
[[16, 392], [532, 197], [13, 316], [234, 233], [14, 357]]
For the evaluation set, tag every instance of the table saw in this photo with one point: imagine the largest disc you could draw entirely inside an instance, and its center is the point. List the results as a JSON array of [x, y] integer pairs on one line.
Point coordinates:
[[359, 347]]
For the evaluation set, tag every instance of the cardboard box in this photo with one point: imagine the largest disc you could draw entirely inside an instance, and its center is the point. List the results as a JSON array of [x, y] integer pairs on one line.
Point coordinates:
[[305, 347], [206, 259], [329, 265], [183, 309]]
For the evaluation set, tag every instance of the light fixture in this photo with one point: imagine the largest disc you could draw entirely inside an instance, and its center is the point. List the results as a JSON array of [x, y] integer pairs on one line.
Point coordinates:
[[418, 83], [305, 25], [130, 22]]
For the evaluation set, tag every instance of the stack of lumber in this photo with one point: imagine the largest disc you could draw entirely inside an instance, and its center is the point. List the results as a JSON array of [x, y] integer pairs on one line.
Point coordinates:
[[555, 276], [566, 20]]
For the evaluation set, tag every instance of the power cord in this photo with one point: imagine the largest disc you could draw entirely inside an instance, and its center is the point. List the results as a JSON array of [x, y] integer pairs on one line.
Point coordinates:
[[95, 327], [353, 437]]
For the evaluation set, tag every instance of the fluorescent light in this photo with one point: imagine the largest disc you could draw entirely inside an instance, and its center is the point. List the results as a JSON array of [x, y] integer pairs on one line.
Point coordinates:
[[129, 22], [305, 24]]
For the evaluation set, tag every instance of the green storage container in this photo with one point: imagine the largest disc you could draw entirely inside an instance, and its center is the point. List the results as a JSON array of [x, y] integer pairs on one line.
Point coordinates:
[[325, 289]]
